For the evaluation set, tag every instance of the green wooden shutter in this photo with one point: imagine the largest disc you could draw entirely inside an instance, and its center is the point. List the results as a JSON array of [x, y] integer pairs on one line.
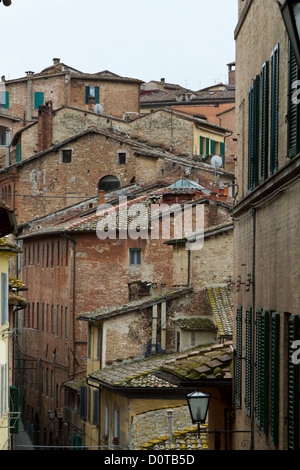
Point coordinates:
[[213, 147], [96, 396], [83, 402], [18, 152], [97, 95], [87, 94], [38, 99], [6, 100], [253, 134], [207, 146], [14, 409], [264, 121], [293, 117], [222, 149], [274, 110], [248, 360], [201, 145], [239, 356], [293, 386], [274, 418], [262, 370]]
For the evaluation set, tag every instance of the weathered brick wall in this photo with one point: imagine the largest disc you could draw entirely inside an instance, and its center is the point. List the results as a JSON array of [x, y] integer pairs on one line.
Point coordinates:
[[167, 130]]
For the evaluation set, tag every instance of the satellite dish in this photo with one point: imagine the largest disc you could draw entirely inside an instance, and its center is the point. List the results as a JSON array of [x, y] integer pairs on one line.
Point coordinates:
[[98, 108], [216, 161]]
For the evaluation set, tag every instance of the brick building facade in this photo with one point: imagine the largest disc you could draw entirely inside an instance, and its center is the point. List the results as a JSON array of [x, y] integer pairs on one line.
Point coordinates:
[[266, 226]]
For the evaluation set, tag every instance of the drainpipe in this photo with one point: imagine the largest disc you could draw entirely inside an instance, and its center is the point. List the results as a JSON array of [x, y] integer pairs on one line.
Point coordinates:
[[74, 279]]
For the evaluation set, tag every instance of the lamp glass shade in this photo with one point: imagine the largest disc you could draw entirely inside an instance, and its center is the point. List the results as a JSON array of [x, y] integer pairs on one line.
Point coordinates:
[[198, 404], [290, 11]]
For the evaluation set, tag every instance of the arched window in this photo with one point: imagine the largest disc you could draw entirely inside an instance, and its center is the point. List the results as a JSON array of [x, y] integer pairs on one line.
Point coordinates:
[[109, 183]]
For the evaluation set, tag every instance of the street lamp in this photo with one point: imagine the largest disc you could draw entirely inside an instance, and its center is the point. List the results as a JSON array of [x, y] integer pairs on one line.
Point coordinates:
[[198, 405], [290, 11]]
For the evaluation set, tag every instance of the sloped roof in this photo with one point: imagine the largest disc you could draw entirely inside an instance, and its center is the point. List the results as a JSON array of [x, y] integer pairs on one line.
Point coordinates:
[[222, 306], [210, 364]]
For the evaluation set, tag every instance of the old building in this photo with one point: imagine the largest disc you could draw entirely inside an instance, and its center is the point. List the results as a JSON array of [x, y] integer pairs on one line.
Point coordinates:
[[64, 85], [266, 265], [8, 415]]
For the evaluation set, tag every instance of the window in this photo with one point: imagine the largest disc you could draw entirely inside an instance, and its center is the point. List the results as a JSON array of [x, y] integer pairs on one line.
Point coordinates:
[[239, 356], [135, 256], [4, 99], [262, 370], [52, 319], [293, 386], [66, 321], [248, 361], [122, 158], [109, 183], [274, 398], [253, 133], [293, 116], [264, 147], [99, 343], [92, 91], [57, 320], [67, 156], [274, 110], [38, 99], [117, 425]]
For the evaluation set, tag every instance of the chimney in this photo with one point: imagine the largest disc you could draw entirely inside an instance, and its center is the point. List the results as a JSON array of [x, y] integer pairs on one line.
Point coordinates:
[[45, 126], [101, 198], [91, 103], [163, 80], [56, 61], [231, 73]]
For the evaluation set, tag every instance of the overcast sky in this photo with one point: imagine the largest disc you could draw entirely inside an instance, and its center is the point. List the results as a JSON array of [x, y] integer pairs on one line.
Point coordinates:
[[188, 42]]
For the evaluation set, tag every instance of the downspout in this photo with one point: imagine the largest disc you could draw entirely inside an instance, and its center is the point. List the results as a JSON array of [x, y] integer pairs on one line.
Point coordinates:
[[74, 280]]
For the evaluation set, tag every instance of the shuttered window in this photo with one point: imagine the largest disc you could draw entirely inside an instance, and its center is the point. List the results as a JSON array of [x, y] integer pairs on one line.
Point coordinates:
[[274, 110], [293, 117], [83, 402], [96, 395], [262, 370], [38, 99], [239, 355], [201, 145], [253, 134], [92, 91], [293, 386], [264, 145], [274, 397], [248, 360], [213, 147]]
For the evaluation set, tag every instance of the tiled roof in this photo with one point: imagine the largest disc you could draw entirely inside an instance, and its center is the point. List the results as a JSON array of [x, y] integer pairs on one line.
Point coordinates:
[[100, 314], [222, 304], [196, 323], [151, 430], [212, 362]]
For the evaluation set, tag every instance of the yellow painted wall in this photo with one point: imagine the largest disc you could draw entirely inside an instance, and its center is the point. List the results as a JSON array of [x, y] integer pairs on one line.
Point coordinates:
[[206, 134]]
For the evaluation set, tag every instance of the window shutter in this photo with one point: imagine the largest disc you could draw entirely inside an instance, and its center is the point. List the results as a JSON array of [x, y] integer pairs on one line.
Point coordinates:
[[99, 343], [207, 146], [264, 121], [201, 145], [4, 299], [213, 147], [293, 129], [275, 377], [253, 133], [222, 149], [97, 95], [239, 355], [262, 370], [83, 401], [38, 99], [248, 361], [87, 94], [14, 409], [96, 395], [274, 110], [293, 386], [6, 100]]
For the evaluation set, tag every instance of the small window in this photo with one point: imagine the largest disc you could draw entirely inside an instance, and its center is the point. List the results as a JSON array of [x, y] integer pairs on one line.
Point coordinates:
[[122, 158], [38, 99], [67, 156], [135, 256]]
